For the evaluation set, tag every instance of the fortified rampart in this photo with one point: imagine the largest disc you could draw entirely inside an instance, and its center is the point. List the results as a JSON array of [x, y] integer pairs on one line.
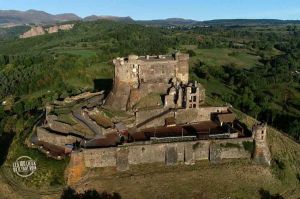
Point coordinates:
[[168, 153]]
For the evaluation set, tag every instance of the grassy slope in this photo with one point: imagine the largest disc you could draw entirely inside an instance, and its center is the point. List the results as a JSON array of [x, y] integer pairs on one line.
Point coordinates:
[[49, 172]]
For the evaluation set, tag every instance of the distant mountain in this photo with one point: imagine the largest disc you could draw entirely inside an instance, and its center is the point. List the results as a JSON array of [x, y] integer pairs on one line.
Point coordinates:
[[34, 17], [9, 18], [112, 18]]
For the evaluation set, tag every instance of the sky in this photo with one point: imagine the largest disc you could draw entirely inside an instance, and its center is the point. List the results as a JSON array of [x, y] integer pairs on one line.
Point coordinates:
[[161, 9]]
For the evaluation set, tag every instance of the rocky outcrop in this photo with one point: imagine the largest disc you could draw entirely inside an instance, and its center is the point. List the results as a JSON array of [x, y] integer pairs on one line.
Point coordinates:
[[34, 31], [55, 29], [39, 30]]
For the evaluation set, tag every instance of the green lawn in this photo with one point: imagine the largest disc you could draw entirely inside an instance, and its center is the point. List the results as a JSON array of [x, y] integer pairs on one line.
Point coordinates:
[[241, 58], [49, 174]]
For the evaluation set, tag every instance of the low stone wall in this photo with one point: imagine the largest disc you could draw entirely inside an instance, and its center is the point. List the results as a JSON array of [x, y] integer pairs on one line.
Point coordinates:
[[58, 126], [152, 118], [198, 115], [156, 117], [169, 153], [229, 149], [52, 138]]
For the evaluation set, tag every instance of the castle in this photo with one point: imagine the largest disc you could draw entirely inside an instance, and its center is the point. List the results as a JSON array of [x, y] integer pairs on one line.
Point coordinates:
[[136, 77], [114, 131]]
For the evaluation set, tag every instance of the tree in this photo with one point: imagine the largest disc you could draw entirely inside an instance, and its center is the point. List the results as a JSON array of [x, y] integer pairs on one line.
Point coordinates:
[[294, 129], [18, 108], [191, 53], [70, 193]]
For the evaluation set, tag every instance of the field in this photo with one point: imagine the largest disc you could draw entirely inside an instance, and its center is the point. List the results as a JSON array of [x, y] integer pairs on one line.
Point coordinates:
[[202, 180], [240, 58]]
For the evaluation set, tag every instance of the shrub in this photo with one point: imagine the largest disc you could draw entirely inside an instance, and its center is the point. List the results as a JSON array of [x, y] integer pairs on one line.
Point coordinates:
[[248, 146]]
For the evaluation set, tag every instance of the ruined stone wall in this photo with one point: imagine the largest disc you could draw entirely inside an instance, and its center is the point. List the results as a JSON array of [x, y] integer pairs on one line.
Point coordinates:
[[160, 71], [197, 115], [182, 67], [229, 149], [136, 94], [56, 125], [157, 117], [262, 153], [52, 138], [152, 118], [168, 153], [146, 75], [136, 71]]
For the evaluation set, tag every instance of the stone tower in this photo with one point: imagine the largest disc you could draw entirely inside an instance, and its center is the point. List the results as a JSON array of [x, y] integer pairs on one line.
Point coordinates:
[[182, 69], [262, 153], [137, 76]]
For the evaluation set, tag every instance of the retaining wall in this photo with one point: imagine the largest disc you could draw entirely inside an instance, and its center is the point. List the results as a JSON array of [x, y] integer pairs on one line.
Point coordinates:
[[169, 153], [52, 138]]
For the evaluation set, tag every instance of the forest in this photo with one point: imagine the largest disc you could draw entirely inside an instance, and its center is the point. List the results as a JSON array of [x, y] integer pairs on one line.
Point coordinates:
[[256, 69]]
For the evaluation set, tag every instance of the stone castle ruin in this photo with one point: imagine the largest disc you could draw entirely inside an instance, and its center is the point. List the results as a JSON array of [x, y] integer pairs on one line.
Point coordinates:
[[153, 114], [136, 77], [261, 152]]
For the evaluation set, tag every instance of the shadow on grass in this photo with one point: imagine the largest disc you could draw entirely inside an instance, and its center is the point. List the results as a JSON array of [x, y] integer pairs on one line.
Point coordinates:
[[264, 194], [5, 142], [70, 193]]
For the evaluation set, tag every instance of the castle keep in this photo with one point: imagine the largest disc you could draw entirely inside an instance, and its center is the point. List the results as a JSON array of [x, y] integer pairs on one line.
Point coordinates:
[[174, 125], [137, 76]]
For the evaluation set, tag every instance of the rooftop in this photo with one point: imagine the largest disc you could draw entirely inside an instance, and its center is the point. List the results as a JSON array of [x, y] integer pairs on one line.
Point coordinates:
[[156, 58], [226, 117]]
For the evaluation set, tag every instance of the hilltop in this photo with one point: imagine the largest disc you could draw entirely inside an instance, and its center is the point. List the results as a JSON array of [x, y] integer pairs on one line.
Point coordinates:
[[253, 68], [15, 17]]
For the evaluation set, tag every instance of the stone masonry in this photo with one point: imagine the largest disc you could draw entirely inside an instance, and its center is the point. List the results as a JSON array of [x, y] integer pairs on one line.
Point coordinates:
[[167, 153], [142, 75], [262, 153]]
